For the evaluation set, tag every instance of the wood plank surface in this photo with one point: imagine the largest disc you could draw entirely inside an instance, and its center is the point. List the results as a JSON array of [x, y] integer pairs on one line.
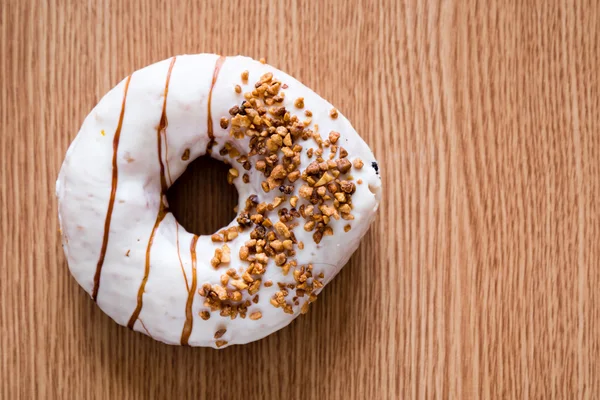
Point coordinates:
[[478, 279]]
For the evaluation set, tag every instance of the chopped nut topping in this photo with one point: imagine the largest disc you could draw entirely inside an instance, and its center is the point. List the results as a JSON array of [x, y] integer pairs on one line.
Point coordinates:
[[280, 259], [219, 334], [325, 178], [277, 245], [333, 113], [232, 233], [256, 315], [340, 196], [334, 136], [224, 122], [347, 187], [343, 165], [345, 209], [274, 135], [254, 286], [266, 77], [309, 226], [305, 307], [205, 315], [232, 174], [263, 60], [282, 229], [358, 164], [222, 256], [239, 284], [220, 343], [305, 191], [224, 279]]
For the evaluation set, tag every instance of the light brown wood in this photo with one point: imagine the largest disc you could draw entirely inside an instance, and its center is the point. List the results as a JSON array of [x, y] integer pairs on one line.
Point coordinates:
[[478, 279]]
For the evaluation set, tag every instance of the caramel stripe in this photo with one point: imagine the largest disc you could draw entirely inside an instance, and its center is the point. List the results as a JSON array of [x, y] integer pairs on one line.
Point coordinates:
[[189, 320], [187, 286], [113, 192], [146, 329], [162, 211], [218, 66], [167, 159]]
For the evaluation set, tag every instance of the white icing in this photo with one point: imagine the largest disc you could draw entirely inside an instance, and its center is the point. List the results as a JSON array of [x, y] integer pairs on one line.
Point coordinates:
[[84, 187]]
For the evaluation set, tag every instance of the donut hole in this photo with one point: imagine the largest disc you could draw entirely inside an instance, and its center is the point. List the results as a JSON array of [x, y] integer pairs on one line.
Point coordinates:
[[201, 199]]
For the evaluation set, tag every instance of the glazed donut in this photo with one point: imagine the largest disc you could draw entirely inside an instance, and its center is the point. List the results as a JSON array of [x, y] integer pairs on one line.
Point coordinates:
[[308, 190]]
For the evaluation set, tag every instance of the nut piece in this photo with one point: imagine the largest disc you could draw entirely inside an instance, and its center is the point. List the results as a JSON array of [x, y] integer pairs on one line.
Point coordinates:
[[299, 103], [220, 333], [231, 175], [282, 229], [334, 136], [343, 165], [256, 315], [333, 113], [224, 122], [205, 315], [326, 178]]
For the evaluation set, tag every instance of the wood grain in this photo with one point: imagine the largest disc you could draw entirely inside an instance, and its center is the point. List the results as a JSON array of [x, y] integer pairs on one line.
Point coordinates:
[[477, 279]]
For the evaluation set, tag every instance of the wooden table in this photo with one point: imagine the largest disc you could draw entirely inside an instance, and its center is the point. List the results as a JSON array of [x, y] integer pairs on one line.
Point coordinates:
[[478, 279]]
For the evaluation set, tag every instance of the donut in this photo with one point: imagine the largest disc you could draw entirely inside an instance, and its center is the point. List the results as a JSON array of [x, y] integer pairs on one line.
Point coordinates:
[[308, 187]]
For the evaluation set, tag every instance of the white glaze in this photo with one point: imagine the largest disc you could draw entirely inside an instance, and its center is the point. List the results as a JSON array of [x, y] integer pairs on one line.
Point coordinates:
[[84, 187]]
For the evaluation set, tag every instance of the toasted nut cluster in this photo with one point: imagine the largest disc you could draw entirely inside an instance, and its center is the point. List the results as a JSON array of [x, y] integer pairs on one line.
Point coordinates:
[[329, 195], [224, 298], [305, 284], [225, 235], [222, 256], [324, 193], [273, 133], [268, 241]]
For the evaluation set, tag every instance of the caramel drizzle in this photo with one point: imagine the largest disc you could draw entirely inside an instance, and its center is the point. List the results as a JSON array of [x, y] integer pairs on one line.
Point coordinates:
[[187, 286], [145, 329], [113, 192], [189, 320], [167, 159], [162, 211], [218, 66]]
